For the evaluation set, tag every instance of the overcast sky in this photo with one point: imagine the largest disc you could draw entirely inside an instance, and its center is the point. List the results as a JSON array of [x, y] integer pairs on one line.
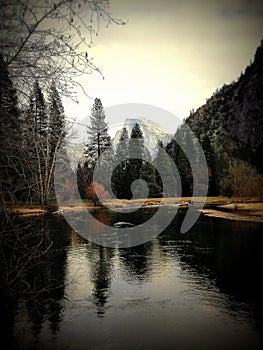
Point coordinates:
[[171, 54]]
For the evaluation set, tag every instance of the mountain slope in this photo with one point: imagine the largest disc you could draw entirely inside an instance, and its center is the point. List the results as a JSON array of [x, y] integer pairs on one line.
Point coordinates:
[[233, 117]]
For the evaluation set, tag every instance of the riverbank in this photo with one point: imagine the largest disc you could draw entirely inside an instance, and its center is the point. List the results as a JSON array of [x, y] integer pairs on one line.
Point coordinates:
[[181, 201], [235, 208], [25, 211], [237, 211]]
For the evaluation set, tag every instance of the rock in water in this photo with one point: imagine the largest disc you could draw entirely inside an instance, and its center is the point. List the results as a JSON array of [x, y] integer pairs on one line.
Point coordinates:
[[123, 224]]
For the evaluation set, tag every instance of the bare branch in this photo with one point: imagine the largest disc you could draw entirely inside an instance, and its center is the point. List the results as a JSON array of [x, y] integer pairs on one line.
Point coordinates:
[[50, 41]]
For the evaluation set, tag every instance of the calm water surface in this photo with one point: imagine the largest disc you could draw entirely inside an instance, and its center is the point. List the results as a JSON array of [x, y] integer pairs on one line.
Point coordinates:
[[199, 290]]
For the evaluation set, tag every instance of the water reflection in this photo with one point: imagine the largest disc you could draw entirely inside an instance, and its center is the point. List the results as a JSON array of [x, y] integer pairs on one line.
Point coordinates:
[[101, 266], [137, 262], [211, 274], [35, 283]]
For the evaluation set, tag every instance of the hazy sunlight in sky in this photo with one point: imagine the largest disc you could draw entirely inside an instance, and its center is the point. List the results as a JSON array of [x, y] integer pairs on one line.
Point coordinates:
[[171, 54]]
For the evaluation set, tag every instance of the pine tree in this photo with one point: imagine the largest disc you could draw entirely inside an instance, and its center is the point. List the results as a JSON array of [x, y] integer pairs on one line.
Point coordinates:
[[57, 122], [98, 139], [83, 179], [122, 146], [43, 136], [135, 165], [8, 98], [181, 161], [10, 137], [37, 137], [55, 136], [164, 163], [158, 162], [119, 176], [38, 109], [149, 176], [132, 168], [212, 167]]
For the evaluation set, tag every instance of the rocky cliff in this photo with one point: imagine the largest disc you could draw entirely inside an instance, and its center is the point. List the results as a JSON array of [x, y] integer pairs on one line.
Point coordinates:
[[233, 116]]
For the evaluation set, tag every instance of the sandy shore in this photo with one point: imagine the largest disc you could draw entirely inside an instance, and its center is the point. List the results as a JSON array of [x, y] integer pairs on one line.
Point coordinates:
[[25, 211], [237, 211], [232, 216]]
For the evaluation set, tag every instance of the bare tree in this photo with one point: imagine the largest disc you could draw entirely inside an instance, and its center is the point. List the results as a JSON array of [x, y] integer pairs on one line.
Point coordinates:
[[49, 40], [242, 180], [44, 129]]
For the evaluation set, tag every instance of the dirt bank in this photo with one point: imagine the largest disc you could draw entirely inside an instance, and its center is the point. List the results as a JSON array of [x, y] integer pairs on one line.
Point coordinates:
[[237, 211]]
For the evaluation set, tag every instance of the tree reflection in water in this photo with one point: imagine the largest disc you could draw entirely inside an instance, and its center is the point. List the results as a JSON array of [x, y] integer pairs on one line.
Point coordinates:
[[33, 261], [217, 260], [101, 278]]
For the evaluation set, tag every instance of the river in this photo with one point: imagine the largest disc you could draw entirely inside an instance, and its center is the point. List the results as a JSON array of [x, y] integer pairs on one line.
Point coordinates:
[[198, 290]]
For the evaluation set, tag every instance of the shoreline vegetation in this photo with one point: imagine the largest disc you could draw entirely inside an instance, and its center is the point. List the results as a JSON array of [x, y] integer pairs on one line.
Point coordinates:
[[234, 208]]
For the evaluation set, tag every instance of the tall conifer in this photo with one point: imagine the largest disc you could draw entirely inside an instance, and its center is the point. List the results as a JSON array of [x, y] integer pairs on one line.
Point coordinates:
[[98, 142], [119, 176], [98, 137], [10, 136]]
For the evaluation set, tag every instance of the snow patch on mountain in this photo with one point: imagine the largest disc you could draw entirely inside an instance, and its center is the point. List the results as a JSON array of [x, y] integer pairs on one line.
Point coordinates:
[[152, 133]]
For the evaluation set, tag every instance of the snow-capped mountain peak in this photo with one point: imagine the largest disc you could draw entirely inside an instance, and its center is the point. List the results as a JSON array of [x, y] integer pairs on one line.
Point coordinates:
[[152, 133]]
